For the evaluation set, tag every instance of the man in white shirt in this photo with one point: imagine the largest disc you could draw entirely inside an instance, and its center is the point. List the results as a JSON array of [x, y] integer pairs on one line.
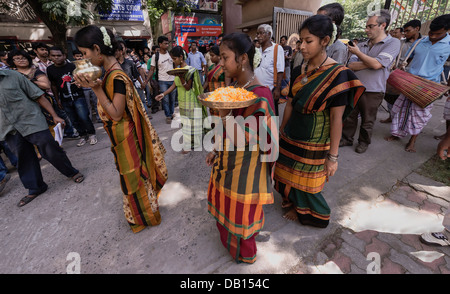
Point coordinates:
[[162, 62], [265, 72]]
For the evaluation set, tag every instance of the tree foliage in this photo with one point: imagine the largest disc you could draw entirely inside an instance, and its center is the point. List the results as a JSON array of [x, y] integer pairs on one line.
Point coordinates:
[[59, 14]]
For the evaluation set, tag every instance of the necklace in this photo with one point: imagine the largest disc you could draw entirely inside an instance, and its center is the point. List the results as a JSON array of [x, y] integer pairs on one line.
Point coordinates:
[[305, 79], [107, 72], [248, 83]]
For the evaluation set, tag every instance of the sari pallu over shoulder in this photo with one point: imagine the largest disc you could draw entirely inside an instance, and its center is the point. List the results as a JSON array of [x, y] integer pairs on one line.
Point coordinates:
[[139, 155], [325, 85]]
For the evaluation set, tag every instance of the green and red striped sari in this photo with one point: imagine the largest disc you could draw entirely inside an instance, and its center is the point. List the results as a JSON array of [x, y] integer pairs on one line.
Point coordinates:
[[305, 141], [240, 184], [138, 153]]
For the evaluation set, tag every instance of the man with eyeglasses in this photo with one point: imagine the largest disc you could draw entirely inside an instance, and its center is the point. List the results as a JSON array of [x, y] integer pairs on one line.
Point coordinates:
[[371, 61]]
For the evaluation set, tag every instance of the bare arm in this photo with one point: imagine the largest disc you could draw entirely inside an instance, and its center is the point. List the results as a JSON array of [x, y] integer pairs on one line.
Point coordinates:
[[43, 82], [56, 94], [114, 108], [370, 62], [336, 123], [357, 65], [287, 115], [44, 103], [168, 91]]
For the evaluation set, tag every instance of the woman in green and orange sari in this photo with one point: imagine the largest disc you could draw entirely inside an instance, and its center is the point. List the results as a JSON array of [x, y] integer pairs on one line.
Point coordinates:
[[321, 95], [138, 152], [216, 76]]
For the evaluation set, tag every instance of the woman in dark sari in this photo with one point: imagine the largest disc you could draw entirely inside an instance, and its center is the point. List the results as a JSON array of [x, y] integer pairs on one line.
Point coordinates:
[[322, 93]]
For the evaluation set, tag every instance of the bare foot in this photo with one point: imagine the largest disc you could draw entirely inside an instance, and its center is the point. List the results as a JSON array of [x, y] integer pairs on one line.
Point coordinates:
[[410, 148], [291, 214], [391, 138], [286, 204]]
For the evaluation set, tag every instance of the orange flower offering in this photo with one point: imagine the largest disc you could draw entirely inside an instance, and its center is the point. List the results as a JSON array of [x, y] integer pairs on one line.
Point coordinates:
[[230, 94]]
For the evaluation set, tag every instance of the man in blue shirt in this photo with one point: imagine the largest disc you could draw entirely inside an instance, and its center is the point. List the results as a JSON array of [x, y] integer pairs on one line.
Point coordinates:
[[197, 60], [427, 62]]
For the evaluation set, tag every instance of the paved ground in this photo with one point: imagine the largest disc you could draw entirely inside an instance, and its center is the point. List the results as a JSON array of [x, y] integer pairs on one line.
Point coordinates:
[[379, 208]]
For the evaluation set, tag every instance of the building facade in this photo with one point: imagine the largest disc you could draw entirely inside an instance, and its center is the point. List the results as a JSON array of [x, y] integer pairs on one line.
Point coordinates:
[[20, 25]]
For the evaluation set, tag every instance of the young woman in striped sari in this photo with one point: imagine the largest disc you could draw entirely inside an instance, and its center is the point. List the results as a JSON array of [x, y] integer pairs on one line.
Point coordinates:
[[216, 76], [241, 182], [138, 152], [322, 93], [189, 87]]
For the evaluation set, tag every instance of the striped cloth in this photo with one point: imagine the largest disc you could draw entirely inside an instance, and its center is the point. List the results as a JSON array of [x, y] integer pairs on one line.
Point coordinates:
[[190, 106], [447, 109], [409, 118], [240, 184], [138, 154], [305, 141]]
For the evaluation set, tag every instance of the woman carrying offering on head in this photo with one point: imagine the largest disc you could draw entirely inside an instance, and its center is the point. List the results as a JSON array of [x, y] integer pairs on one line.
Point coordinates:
[[137, 149], [322, 94]]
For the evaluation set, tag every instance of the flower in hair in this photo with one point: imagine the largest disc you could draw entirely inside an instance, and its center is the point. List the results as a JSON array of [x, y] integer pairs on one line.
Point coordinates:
[[106, 38], [333, 36]]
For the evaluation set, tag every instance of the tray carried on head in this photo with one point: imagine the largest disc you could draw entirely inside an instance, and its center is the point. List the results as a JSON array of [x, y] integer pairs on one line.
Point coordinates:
[[224, 104], [177, 71]]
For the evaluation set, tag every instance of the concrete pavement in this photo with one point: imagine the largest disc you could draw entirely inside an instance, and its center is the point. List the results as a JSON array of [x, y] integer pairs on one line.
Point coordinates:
[[379, 208]]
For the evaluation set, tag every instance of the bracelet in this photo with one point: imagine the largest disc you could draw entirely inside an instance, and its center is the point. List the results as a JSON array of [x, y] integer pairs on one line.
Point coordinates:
[[333, 158], [107, 105]]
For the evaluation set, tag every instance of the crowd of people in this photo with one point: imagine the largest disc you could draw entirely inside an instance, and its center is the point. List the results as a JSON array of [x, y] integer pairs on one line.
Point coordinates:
[[327, 85]]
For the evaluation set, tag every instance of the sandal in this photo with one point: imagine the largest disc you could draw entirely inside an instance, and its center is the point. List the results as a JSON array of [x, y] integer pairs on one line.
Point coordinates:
[[27, 199], [78, 178]]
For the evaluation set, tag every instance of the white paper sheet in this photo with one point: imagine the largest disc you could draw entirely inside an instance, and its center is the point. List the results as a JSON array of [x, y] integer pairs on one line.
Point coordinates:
[[58, 133]]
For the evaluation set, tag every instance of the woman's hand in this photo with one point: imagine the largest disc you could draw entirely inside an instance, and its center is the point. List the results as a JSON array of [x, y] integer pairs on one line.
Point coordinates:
[[81, 80], [210, 158], [330, 167]]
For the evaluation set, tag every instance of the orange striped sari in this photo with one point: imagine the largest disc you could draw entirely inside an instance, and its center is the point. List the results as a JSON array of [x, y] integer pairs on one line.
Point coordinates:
[[240, 184], [139, 156]]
